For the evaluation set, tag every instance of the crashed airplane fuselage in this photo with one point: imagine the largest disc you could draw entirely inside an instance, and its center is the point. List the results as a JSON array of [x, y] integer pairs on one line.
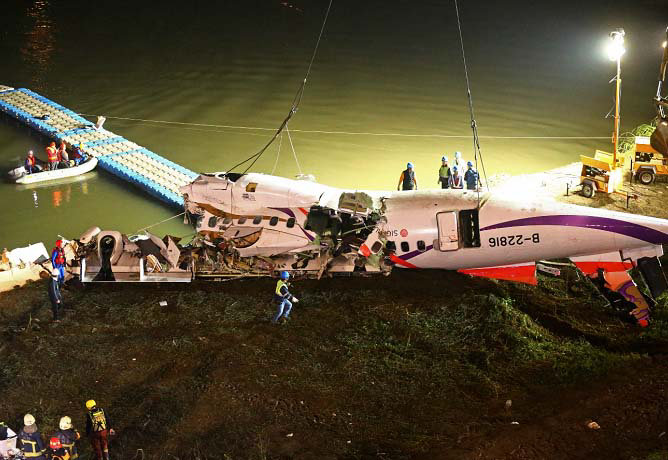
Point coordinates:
[[262, 223]]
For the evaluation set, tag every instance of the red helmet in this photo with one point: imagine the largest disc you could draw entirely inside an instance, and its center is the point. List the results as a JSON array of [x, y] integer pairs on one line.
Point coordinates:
[[55, 443], [59, 243]]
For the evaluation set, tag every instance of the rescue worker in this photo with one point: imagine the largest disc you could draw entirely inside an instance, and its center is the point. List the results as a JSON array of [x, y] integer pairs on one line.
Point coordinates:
[[58, 260], [30, 440], [78, 155], [63, 157], [283, 298], [407, 180], [471, 177], [31, 165], [444, 173], [57, 451], [68, 437], [459, 161], [7, 440], [52, 156], [55, 295], [98, 429], [456, 179]]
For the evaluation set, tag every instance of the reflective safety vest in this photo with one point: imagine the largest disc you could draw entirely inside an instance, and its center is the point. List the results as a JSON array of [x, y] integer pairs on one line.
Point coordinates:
[[98, 420], [60, 454], [68, 439], [51, 154], [279, 286], [31, 445], [58, 256]]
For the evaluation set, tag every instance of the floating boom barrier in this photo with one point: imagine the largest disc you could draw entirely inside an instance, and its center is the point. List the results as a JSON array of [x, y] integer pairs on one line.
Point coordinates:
[[123, 158]]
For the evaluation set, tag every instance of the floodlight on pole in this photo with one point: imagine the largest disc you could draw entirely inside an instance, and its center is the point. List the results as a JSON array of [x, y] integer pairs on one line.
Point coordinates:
[[615, 52]]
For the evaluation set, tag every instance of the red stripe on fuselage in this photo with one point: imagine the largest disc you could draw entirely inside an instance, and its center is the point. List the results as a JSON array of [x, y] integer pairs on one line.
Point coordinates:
[[401, 262]]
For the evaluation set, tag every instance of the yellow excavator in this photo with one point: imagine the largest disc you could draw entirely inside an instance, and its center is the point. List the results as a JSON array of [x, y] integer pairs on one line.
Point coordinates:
[[651, 154], [659, 138]]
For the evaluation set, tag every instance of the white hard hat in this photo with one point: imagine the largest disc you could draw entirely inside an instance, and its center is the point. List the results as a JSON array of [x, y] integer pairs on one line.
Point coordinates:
[[28, 420], [65, 423]]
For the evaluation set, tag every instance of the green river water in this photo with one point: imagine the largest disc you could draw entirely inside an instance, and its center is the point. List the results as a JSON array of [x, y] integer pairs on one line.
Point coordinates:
[[387, 87]]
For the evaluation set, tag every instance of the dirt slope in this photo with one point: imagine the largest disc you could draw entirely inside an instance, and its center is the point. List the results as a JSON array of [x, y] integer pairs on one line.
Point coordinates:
[[416, 365]]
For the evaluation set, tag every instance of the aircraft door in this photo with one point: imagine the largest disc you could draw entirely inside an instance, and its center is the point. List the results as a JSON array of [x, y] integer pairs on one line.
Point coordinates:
[[448, 232]]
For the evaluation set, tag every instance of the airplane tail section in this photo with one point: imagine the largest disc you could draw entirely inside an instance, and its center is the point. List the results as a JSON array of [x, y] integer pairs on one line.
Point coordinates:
[[609, 272]]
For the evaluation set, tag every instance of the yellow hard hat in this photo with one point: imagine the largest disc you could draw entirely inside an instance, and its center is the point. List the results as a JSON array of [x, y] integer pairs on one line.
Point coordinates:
[[28, 420], [65, 423], [90, 404]]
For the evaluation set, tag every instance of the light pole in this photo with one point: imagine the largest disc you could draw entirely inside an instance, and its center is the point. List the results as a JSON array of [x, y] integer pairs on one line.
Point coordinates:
[[615, 51]]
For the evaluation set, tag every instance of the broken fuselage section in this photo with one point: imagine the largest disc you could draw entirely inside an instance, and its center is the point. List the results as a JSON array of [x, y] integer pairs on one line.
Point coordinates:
[[255, 224]]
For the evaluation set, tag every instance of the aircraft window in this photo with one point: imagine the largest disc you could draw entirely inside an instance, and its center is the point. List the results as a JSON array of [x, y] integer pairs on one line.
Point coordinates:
[[291, 222], [391, 246], [421, 246], [241, 221], [375, 247], [405, 247], [212, 221], [273, 221], [470, 228], [257, 220], [251, 187], [227, 221]]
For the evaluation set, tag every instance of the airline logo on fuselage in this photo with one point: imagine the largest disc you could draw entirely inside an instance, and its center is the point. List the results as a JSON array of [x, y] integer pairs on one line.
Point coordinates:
[[393, 233]]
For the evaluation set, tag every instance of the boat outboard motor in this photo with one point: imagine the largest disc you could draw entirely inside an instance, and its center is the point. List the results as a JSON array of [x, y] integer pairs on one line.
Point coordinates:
[[659, 138]]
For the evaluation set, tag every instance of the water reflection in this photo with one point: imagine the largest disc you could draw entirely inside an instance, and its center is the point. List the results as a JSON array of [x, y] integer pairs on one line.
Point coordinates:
[[35, 200], [39, 44], [61, 195]]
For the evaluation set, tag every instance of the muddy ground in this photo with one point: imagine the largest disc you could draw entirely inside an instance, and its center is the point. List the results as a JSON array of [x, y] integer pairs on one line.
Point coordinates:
[[415, 365]]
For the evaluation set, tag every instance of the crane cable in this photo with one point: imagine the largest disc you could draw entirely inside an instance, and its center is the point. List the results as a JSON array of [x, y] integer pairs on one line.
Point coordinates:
[[293, 109], [474, 126]]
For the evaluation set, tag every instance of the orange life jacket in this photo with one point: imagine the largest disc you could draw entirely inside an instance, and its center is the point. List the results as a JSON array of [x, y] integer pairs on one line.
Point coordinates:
[[30, 160], [51, 154]]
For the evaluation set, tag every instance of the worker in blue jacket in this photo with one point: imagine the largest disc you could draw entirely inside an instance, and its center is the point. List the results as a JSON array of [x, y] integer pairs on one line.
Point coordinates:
[[30, 440], [471, 177], [283, 298]]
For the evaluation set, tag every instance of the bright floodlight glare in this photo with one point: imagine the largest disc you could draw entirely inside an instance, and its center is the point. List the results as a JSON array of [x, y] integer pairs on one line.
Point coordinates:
[[616, 45], [664, 44]]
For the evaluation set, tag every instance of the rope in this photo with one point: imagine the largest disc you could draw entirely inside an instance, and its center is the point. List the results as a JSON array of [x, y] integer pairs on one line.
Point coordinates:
[[474, 127], [356, 133], [295, 102], [293, 150], [278, 154], [158, 223]]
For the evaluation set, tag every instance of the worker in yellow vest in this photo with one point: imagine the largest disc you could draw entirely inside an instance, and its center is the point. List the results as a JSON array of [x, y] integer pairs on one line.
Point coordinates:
[[283, 298], [98, 429]]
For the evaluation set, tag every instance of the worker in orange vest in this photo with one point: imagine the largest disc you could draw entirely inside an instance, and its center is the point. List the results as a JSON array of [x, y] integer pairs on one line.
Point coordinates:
[[52, 156], [31, 165]]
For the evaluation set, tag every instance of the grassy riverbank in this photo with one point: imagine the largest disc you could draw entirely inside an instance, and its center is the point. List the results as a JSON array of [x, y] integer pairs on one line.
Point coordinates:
[[416, 365]]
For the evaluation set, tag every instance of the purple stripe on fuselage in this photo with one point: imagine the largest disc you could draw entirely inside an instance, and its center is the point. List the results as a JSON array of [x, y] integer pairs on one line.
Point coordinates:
[[410, 255], [288, 211], [606, 224]]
